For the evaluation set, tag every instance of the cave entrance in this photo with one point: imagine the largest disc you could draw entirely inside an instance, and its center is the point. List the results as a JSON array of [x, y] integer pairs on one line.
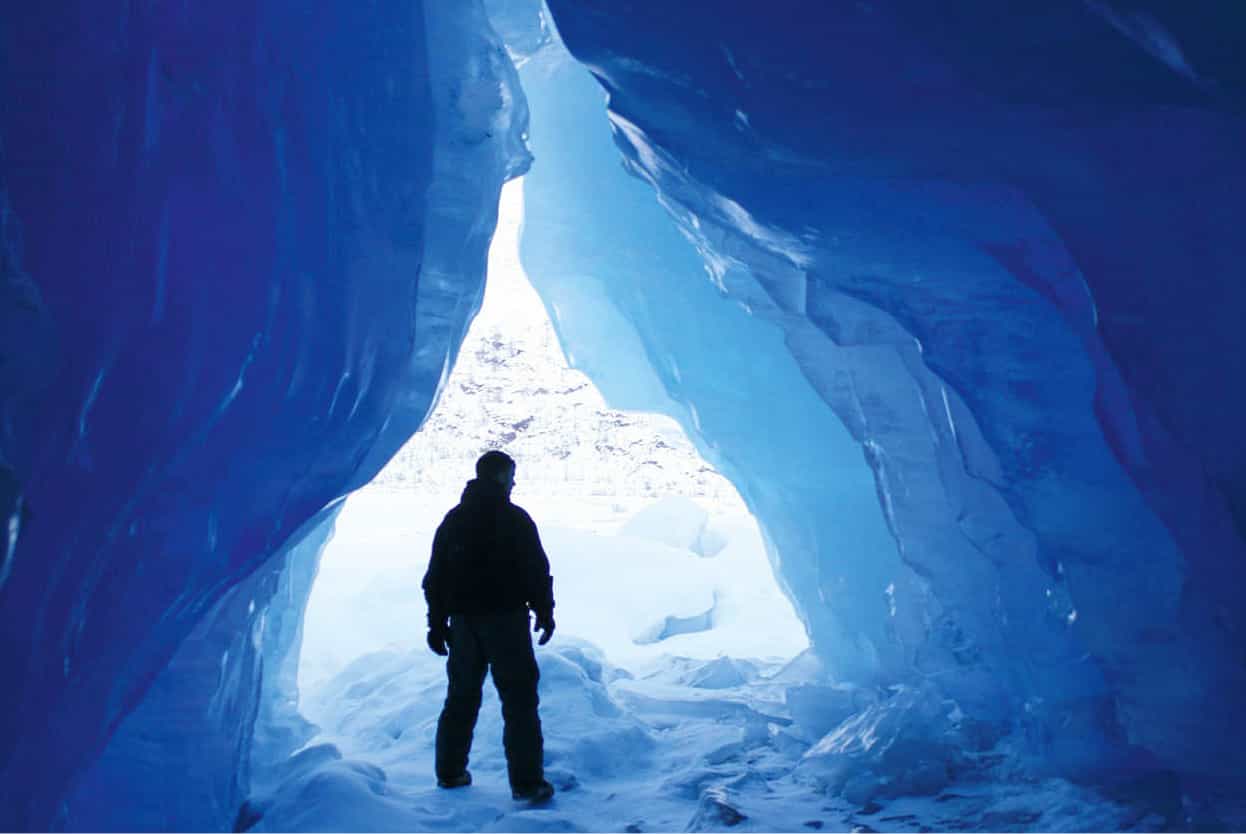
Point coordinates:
[[680, 660], [653, 552]]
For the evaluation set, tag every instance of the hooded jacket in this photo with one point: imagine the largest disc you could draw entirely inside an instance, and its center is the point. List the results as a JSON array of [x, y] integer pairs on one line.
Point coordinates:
[[487, 558]]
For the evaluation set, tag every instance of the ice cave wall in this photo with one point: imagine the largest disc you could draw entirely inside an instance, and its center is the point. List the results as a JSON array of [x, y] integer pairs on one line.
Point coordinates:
[[182, 759], [1003, 248], [241, 243], [595, 239]]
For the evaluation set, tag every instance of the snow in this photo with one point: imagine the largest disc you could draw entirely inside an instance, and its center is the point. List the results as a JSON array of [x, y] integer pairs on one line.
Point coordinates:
[[679, 744], [630, 720], [678, 522], [511, 388]]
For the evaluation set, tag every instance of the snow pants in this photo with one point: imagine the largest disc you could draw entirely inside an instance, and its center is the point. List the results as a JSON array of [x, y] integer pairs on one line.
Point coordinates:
[[500, 643]]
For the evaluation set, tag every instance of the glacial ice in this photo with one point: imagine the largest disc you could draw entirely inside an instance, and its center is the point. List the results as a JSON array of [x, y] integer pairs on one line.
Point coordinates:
[[615, 272], [241, 244], [969, 343], [204, 707], [972, 256]]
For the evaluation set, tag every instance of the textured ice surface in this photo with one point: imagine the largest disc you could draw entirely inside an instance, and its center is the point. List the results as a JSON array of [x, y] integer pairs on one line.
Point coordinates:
[[629, 297], [1009, 275], [994, 256], [182, 760], [909, 743], [240, 243]]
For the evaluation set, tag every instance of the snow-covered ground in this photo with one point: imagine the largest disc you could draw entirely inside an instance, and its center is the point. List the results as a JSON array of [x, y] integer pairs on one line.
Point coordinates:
[[664, 611], [689, 733], [701, 745], [729, 725]]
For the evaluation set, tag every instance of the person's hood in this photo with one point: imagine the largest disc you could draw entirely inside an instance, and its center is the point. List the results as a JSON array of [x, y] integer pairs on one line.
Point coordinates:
[[480, 491]]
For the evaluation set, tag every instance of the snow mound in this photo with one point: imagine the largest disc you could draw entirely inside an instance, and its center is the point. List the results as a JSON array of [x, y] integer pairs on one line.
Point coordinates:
[[586, 730], [318, 790], [678, 522], [721, 673]]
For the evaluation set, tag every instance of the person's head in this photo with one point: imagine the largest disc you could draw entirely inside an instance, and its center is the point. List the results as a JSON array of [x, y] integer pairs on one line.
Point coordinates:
[[497, 467]]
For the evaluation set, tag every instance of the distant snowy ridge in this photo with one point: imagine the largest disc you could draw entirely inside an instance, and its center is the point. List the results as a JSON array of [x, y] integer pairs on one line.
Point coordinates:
[[511, 389]]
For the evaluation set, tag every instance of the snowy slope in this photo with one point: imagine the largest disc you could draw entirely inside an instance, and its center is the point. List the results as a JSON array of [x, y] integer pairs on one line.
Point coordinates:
[[511, 388]]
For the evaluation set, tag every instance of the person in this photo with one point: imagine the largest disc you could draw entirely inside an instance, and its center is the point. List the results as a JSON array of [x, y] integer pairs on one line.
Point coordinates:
[[487, 572]]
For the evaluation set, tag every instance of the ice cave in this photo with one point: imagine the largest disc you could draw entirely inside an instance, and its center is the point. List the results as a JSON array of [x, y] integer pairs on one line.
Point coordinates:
[[943, 292]]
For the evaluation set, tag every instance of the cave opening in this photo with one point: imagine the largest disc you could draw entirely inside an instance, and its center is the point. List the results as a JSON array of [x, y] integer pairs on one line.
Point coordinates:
[[653, 551], [696, 672], [629, 298], [662, 579], [938, 352]]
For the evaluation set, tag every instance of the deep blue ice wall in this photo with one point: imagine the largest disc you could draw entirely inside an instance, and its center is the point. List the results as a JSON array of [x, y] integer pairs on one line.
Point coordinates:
[[182, 759], [1035, 214], [241, 242], [796, 420]]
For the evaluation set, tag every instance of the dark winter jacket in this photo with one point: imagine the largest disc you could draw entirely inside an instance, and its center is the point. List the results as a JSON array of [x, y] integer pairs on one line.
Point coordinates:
[[487, 557]]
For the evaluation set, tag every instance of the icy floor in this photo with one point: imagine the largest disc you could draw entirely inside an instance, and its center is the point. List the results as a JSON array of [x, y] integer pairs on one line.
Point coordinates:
[[677, 730]]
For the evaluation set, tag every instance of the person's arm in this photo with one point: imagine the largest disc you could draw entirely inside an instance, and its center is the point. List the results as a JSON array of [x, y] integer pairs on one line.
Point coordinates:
[[540, 582], [434, 585]]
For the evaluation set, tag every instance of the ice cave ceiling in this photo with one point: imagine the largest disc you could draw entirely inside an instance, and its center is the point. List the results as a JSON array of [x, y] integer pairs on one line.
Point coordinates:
[[241, 242]]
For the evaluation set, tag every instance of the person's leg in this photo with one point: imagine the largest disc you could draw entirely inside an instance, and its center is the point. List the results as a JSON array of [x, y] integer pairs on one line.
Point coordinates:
[[515, 674], [465, 669]]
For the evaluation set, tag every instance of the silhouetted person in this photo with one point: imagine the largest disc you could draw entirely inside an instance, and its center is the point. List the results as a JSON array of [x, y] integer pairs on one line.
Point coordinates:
[[487, 571]]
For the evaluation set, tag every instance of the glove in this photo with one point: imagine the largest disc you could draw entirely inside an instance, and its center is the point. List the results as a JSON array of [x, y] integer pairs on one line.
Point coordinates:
[[545, 625], [438, 633], [438, 640]]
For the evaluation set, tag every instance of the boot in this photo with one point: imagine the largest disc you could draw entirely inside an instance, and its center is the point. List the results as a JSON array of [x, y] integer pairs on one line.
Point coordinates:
[[461, 781], [535, 794]]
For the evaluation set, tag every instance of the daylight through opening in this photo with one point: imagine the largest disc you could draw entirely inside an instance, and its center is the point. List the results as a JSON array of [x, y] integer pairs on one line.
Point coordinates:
[[655, 555]]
